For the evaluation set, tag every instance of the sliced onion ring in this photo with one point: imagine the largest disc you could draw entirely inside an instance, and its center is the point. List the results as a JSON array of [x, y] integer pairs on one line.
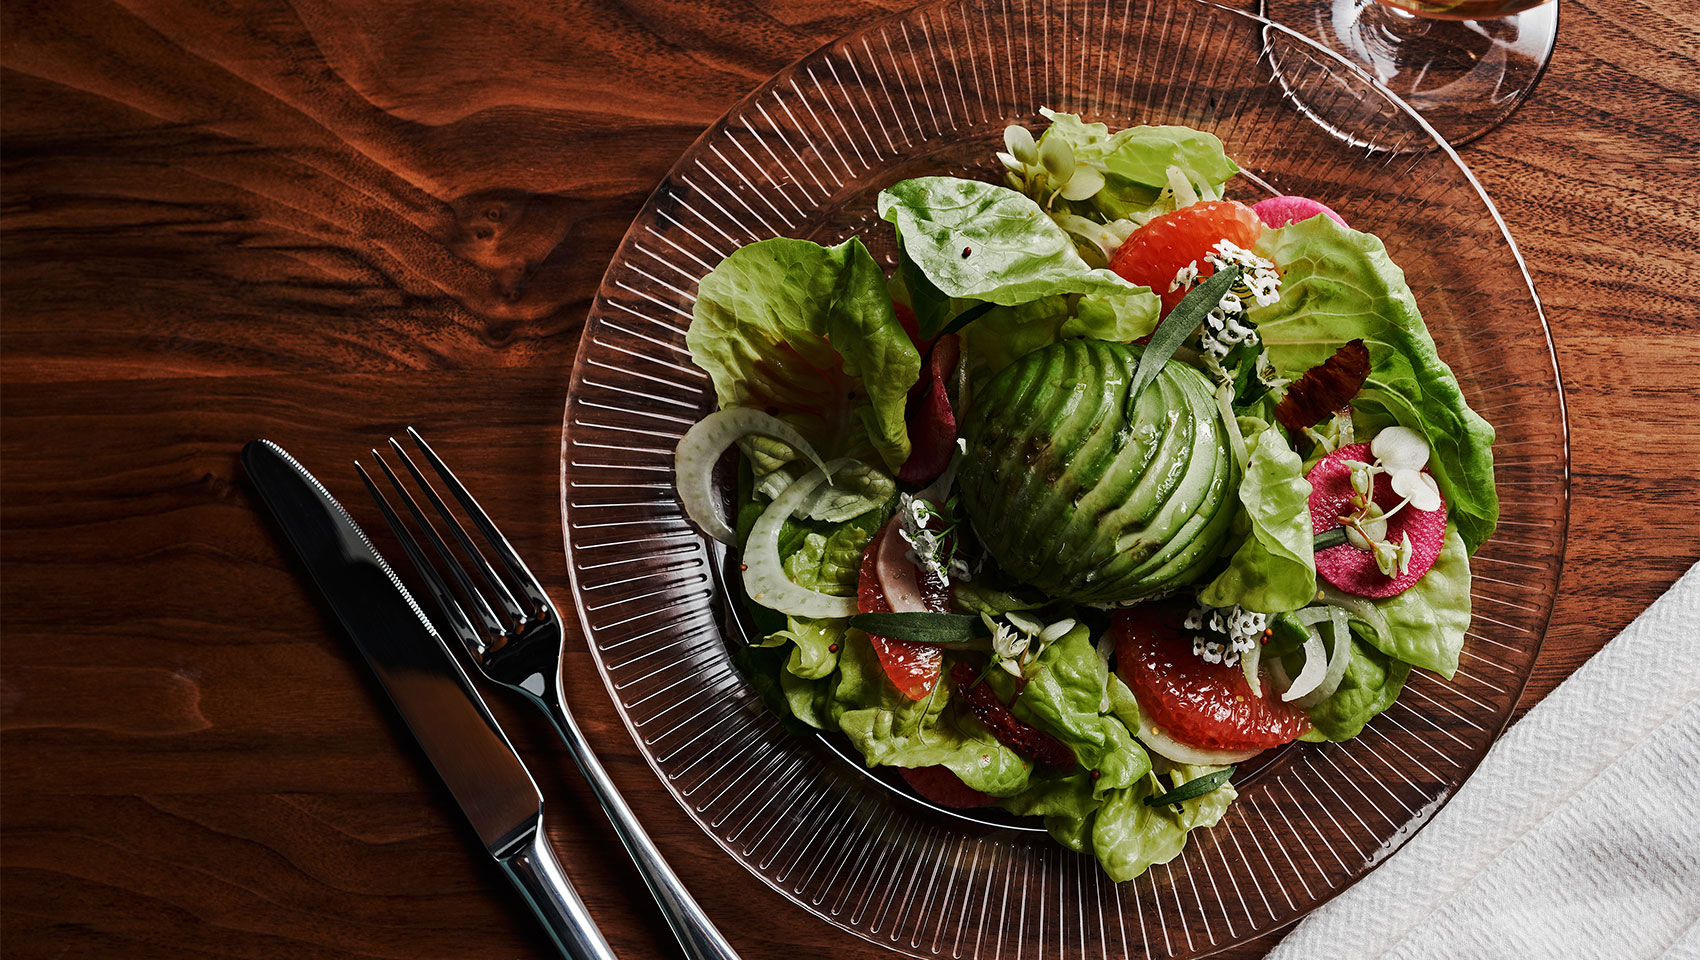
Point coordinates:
[[1171, 749], [1338, 658], [1248, 663], [764, 573], [1315, 668], [700, 449]]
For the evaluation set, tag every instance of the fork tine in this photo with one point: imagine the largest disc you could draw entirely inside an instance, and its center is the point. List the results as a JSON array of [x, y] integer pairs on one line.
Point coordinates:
[[486, 571], [482, 606], [453, 612], [510, 559]]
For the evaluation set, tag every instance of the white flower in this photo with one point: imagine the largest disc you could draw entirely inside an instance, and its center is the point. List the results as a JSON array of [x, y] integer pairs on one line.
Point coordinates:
[[1007, 642], [1241, 629], [1184, 277], [1024, 622], [1085, 182], [1404, 452], [1056, 631], [959, 569], [1019, 142], [1258, 277]]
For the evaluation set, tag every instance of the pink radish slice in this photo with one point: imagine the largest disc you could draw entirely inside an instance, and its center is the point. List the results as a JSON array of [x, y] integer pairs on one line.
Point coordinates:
[[1354, 570], [899, 580], [1277, 212], [932, 424]]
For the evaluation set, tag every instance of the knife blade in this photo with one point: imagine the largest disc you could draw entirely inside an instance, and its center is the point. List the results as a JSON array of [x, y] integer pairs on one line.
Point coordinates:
[[428, 687]]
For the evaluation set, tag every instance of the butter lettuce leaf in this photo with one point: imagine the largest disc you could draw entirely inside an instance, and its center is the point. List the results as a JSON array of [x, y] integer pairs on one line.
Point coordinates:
[[1063, 692], [825, 557], [1135, 162], [1370, 685], [1129, 836], [965, 242], [1423, 626], [889, 729], [1274, 568], [808, 331], [1339, 284]]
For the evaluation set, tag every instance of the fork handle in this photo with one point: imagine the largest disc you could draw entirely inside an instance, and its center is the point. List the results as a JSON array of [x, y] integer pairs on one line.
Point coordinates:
[[696, 933], [532, 867]]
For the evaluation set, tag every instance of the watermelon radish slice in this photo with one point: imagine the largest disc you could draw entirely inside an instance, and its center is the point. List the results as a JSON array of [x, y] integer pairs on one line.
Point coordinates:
[[1277, 212], [913, 668], [932, 424], [1354, 570], [944, 788]]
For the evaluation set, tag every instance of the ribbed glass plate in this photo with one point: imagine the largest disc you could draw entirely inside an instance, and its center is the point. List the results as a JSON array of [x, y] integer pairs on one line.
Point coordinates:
[[804, 156]]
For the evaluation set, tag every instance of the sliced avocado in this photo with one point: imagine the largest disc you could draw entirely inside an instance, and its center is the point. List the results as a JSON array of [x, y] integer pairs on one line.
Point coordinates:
[[1086, 496]]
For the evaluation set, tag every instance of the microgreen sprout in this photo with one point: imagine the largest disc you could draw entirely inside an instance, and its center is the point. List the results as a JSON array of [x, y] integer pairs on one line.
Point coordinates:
[[1222, 634], [1018, 638], [1401, 453]]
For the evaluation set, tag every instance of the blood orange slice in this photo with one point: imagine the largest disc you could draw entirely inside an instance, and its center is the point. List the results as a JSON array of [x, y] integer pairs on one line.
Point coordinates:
[[1200, 704], [1154, 253]]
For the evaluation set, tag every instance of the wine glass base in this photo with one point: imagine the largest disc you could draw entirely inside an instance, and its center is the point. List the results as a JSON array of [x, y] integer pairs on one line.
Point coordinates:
[[1464, 76]]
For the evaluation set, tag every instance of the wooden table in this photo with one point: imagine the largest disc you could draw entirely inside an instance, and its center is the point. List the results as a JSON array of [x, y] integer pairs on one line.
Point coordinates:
[[320, 222]]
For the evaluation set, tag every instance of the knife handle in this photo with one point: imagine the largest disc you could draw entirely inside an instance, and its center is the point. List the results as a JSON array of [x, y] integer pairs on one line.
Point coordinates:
[[538, 875]]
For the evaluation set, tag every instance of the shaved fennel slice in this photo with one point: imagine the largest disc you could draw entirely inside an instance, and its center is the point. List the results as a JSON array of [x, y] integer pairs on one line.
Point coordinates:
[[1169, 748], [764, 573], [1248, 663], [1339, 656], [1315, 668], [700, 449], [1327, 666]]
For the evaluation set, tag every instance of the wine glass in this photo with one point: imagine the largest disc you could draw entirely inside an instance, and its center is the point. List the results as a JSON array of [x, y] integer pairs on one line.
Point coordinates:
[[1465, 65]]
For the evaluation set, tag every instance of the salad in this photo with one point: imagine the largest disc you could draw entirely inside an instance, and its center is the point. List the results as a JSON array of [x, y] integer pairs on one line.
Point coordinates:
[[1111, 485]]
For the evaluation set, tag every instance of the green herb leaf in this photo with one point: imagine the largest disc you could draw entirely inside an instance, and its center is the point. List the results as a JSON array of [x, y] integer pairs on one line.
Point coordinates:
[[1179, 324], [1330, 538], [921, 627], [1192, 788]]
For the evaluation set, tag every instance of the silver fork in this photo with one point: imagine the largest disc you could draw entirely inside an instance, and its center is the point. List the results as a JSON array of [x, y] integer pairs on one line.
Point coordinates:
[[519, 647]]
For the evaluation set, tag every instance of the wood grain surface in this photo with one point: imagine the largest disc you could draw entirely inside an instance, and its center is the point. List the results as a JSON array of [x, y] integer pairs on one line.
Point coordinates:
[[319, 222]]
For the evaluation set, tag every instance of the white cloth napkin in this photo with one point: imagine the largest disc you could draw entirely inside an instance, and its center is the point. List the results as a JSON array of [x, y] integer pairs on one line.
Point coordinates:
[[1579, 835]]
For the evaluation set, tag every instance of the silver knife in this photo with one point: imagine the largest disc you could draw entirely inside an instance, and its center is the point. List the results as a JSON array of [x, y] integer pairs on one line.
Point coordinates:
[[433, 694]]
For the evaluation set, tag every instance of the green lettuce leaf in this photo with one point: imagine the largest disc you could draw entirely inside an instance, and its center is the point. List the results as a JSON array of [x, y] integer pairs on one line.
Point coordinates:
[[889, 729], [1370, 685], [1062, 697], [826, 557], [1067, 802], [809, 331], [1135, 161], [1129, 836], [1423, 626], [808, 700], [1274, 569], [1339, 284], [1015, 254]]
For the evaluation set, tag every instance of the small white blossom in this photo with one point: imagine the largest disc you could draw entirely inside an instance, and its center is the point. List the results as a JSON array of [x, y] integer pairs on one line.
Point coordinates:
[[1242, 630], [1259, 279], [1184, 277]]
